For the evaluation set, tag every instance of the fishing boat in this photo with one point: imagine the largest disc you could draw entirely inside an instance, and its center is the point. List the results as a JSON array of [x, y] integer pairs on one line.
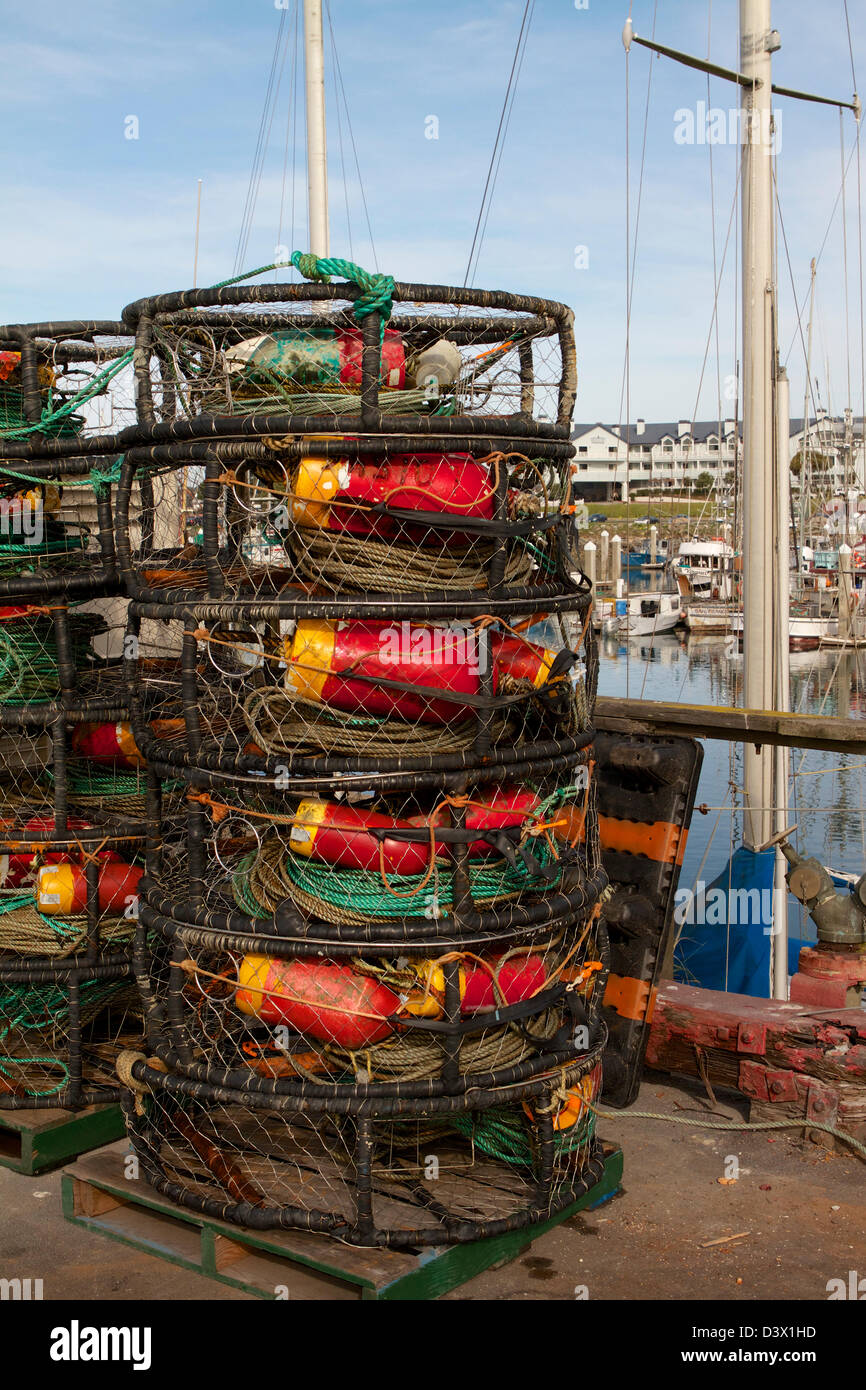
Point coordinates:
[[704, 569], [642, 615], [635, 559], [808, 628], [712, 616]]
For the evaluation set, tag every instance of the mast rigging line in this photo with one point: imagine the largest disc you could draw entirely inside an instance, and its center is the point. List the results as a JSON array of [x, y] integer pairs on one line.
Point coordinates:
[[493, 169], [288, 36], [631, 270], [822, 247], [265, 124], [340, 88]]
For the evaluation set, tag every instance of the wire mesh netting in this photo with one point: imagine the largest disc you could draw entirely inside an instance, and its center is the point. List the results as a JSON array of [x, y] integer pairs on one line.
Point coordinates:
[[436, 1177], [356, 718], [71, 827]]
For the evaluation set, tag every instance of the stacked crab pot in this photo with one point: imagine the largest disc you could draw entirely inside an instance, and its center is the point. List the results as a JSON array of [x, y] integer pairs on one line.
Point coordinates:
[[71, 828], [370, 950]]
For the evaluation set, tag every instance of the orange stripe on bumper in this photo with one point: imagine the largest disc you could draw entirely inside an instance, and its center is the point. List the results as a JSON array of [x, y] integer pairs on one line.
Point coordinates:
[[658, 840], [630, 998]]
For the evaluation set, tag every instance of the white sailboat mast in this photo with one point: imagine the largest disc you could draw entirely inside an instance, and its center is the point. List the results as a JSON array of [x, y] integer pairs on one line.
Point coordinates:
[[756, 45], [779, 940], [317, 145]]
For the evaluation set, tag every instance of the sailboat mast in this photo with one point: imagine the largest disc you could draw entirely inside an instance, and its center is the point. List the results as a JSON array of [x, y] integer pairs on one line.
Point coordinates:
[[806, 451], [317, 146], [779, 940], [756, 45]]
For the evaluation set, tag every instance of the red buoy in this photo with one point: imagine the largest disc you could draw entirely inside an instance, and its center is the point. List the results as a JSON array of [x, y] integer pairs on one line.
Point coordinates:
[[335, 832], [320, 998], [339, 495], [415, 654]]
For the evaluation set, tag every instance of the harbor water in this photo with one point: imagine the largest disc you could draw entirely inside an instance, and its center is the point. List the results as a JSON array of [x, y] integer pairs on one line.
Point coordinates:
[[826, 790]]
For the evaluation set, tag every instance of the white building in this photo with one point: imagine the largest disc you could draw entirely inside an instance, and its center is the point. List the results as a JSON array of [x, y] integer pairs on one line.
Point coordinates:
[[830, 451], [612, 460]]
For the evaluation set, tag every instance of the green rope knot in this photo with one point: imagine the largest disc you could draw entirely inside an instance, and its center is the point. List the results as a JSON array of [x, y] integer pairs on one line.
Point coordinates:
[[99, 479], [377, 291]]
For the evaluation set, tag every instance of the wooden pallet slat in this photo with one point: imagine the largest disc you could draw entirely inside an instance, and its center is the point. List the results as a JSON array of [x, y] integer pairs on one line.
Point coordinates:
[[298, 1265], [35, 1141]]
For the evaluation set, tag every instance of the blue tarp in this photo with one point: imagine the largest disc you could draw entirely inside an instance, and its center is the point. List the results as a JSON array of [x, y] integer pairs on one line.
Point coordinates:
[[724, 938]]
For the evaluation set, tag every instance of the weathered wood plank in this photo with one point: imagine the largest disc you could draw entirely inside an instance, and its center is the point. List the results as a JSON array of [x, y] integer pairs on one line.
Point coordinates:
[[614, 714]]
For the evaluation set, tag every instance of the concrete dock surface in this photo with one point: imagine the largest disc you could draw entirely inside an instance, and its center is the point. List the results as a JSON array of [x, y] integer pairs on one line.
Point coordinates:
[[791, 1219]]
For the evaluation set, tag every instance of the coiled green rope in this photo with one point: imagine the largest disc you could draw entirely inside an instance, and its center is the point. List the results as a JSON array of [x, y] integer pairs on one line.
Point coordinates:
[[28, 656], [43, 1010], [501, 1134], [377, 295]]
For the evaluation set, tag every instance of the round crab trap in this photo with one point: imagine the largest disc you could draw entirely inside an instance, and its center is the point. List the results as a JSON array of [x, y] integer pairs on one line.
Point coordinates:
[[365, 355], [65, 390], [71, 826], [246, 690], [370, 949], [357, 437], [68, 912], [338, 514], [438, 1173]]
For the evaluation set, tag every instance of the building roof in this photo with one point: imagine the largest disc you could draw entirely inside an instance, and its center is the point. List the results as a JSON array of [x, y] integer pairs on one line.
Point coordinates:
[[832, 424], [653, 433], [701, 430]]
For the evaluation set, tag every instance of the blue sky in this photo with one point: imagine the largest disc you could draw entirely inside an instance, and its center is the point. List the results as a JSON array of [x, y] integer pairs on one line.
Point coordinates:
[[92, 220]]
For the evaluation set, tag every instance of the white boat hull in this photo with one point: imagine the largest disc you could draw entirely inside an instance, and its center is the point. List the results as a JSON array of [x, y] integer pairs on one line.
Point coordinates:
[[804, 634], [709, 617], [646, 615]]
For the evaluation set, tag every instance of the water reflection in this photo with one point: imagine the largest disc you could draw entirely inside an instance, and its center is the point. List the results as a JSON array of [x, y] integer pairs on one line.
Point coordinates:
[[826, 791]]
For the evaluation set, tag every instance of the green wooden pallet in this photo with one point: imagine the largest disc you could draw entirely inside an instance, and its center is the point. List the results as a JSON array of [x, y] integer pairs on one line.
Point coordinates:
[[33, 1141], [288, 1264]]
